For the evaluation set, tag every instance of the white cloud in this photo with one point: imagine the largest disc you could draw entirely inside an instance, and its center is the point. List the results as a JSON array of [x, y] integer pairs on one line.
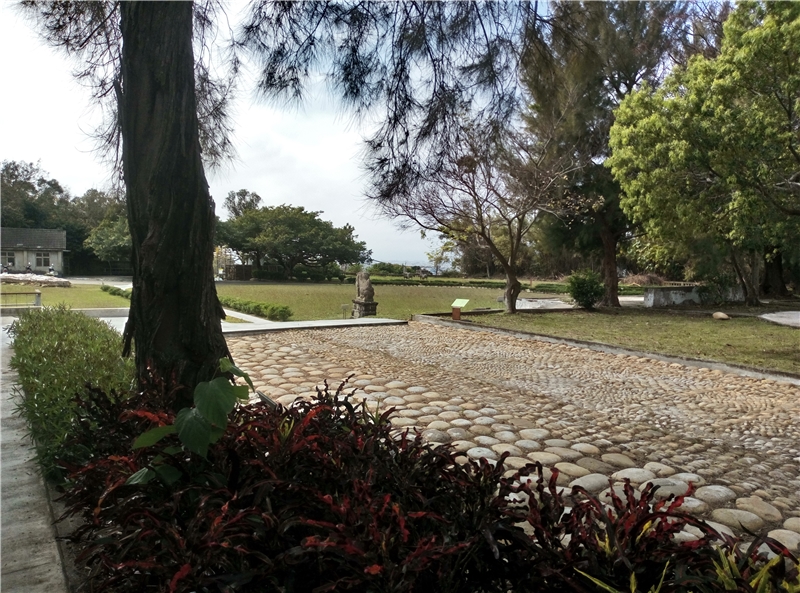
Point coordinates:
[[306, 157]]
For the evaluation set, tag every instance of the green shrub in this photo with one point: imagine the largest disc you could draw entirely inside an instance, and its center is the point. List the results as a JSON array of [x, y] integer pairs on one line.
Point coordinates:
[[585, 288], [265, 310], [57, 352], [126, 294]]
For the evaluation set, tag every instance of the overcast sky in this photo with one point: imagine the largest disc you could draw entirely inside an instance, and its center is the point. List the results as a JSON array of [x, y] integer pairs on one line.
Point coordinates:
[[303, 157]]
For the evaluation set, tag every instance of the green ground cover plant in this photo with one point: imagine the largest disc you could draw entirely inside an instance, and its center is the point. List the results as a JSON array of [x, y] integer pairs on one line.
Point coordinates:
[[57, 352], [77, 296], [741, 340]]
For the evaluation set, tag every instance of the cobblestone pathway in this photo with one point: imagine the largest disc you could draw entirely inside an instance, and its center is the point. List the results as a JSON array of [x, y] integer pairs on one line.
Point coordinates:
[[591, 415]]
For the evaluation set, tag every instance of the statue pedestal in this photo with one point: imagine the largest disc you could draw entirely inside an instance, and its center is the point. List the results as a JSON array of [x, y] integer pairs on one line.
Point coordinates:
[[364, 308]]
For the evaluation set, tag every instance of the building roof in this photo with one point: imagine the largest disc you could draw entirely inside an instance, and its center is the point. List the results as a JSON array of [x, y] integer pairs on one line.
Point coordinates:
[[49, 239]]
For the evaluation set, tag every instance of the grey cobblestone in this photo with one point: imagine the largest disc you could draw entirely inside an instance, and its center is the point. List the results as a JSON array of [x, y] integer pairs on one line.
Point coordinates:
[[593, 416]]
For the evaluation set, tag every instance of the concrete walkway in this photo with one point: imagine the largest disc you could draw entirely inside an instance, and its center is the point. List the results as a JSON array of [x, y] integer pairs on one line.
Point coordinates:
[[30, 556]]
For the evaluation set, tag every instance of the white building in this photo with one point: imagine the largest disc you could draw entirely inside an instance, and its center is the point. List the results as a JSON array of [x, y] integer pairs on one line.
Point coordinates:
[[41, 248]]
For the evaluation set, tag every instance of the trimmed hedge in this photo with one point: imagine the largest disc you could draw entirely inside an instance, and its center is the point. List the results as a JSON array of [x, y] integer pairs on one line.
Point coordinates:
[[265, 310], [57, 352]]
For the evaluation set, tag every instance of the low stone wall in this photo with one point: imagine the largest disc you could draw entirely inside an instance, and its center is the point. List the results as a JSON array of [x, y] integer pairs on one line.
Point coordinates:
[[668, 296]]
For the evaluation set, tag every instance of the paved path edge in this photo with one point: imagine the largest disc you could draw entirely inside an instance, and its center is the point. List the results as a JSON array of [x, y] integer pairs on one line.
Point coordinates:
[[744, 370]]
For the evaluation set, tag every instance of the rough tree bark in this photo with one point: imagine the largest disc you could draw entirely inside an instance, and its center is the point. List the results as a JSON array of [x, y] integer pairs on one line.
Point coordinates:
[[773, 284], [610, 279], [175, 315]]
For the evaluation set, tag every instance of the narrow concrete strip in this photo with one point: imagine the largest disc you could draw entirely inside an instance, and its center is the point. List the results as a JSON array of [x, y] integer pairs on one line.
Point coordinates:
[[31, 561], [790, 318]]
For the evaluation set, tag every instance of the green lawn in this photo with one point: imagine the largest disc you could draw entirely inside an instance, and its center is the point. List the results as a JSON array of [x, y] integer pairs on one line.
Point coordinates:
[[741, 340], [324, 301], [77, 296]]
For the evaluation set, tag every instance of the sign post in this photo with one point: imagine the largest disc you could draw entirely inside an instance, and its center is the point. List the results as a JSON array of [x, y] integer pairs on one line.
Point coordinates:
[[457, 305]]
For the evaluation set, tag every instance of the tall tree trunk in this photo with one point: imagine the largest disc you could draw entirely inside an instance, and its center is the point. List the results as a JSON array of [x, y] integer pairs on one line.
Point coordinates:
[[745, 279], [773, 284], [175, 315], [610, 279], [513, 288]]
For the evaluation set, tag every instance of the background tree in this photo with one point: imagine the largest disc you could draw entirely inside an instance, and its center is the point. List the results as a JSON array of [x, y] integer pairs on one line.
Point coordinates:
[[239, 202], [474, 194], [110, 240], [290, 236], [714, 151], [588, 60], [441, 255]]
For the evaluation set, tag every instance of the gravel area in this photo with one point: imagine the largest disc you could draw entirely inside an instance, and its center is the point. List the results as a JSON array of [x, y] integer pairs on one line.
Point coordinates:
[[594, 416]]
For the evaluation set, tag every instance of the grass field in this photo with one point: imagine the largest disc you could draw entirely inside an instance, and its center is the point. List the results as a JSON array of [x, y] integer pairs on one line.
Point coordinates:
[[324, 301], [741, 340], [77, 296]]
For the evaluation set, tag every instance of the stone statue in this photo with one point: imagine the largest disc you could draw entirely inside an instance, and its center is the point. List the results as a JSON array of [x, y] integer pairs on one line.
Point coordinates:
[[364, 290]]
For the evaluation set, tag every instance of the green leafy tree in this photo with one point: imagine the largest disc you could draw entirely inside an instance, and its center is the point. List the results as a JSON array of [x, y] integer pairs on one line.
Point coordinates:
[[292, 236], [715, 151], [239, 202], [111, 240], [590, 59], [441, 255]]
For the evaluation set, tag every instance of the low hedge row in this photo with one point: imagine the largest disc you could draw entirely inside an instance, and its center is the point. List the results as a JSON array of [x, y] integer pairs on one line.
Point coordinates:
[[265, 310], [57, 352]]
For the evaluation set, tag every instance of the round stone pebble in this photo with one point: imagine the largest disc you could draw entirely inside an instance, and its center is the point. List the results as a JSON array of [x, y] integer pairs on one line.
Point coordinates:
[[544, 458], [528, 445], [478, 452], [585, 448], [693, 506], [715, 494], [576, 471], [461, 422], [592, 483], [556, 443], [792, 524], [402, 422], [396, 385], [471, 414], [449, 415], [462, 445], [479, 429], [516, 462], [459, 433], [505, 436], [486, 441], [436, 436], [757, 506], [790, 539], [484, 420], [634, 474], [534, 434], [737, 519], [564, 453], [409, 413], [689, 477], [439, 425], [394, 401], [667, 487], [618, 460], [720, 528], [416, 389], [596, 466], [505, 448]]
